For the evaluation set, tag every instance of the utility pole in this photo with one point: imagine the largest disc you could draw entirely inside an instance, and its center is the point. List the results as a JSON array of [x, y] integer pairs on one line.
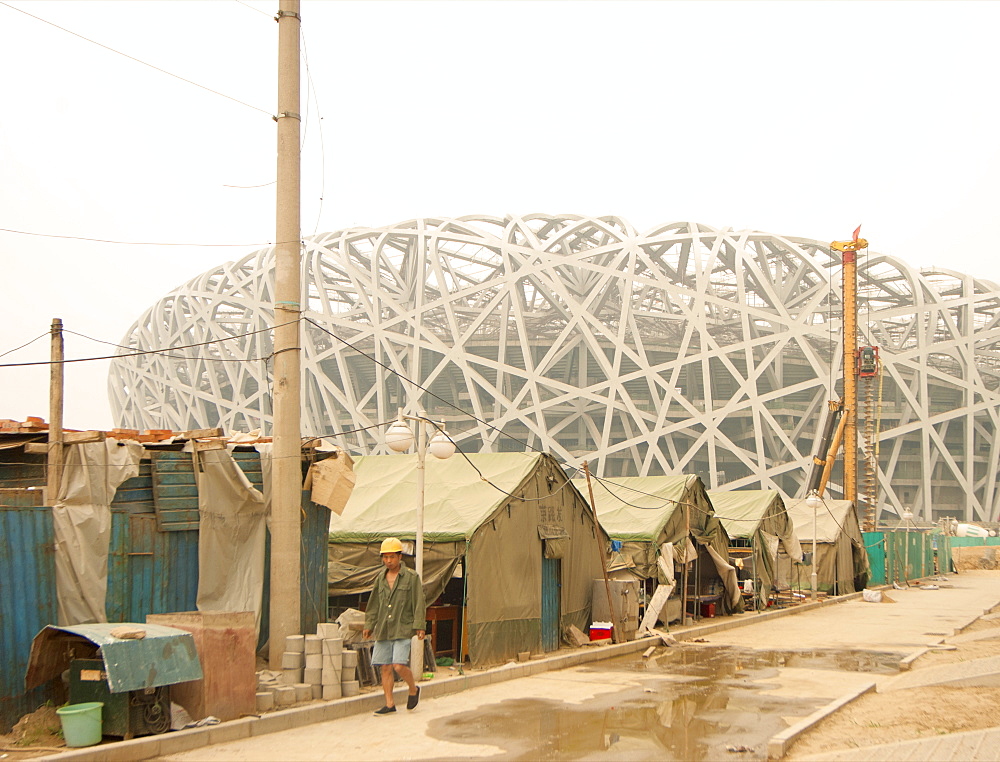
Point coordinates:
[[55, 452], [286, 484]]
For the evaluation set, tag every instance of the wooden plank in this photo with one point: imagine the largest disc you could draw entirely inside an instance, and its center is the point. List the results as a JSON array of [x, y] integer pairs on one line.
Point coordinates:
[[179, 527], [81, 437], [170, 464], [200, 433], [167, 505], [169, 483], [179, 515], [70, 437], [215, 444]]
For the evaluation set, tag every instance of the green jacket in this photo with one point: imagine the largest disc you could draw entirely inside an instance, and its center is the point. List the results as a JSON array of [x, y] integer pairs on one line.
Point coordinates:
[[397, 612]]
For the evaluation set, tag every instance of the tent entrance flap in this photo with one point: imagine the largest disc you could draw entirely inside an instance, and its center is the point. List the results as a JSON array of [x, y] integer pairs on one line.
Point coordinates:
[[551, 576]]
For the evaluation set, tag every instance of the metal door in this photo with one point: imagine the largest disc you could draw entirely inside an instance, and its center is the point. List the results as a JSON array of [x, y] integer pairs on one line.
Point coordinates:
[[551, 586]]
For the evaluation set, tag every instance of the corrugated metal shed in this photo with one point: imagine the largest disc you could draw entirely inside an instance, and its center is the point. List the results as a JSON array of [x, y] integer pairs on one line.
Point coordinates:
[[28, 602], [165, 655], [149, 571]]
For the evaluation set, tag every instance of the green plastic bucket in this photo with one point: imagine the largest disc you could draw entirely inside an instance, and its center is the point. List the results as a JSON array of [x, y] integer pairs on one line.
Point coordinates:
[[81, 723]]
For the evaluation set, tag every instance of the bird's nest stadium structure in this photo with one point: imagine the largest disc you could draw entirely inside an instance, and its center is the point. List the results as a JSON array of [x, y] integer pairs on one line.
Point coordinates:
[[684, 349]]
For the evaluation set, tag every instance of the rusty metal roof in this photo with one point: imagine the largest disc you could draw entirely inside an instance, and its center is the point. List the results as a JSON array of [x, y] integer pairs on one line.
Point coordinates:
[[165, 656]]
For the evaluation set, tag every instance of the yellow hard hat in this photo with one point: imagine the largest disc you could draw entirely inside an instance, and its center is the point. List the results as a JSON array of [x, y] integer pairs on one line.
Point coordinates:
[[391, 545]]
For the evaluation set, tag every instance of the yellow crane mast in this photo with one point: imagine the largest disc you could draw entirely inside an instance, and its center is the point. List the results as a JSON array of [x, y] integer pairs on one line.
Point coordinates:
[[849, 285]]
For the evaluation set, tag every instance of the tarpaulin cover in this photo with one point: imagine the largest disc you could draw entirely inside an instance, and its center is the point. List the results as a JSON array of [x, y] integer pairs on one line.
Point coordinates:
[[231, 536], [81, 520], [456, 500], [646, 511], [165, 656], [758, 516], [495, 528], [841, 562]]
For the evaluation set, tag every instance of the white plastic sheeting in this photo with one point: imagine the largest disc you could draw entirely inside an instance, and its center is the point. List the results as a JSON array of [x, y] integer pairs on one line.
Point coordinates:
[[231, 536], [81, 519]]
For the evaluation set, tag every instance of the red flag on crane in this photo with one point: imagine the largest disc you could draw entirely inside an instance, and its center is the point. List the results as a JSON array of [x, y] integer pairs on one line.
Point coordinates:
[[857, 232]]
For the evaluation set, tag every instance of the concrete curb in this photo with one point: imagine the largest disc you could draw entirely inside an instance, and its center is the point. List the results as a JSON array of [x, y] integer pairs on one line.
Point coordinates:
[[179, 741], [907, 662], [779, 744], [741, 620], [176, 742]]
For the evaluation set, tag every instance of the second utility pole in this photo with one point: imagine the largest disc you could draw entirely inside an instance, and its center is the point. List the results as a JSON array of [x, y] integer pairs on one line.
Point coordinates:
[[286, 482]]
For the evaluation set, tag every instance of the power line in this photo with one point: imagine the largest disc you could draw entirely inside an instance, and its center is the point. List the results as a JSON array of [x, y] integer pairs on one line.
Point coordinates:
[[11, 351], [245, 187], [164, 353], [604, 483], [319, 117], [130, 243], [133, 58], [256, 10], [140, 353], [422, 388]]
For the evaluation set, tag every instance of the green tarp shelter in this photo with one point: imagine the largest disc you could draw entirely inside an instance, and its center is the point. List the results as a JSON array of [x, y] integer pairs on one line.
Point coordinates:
[[758, 517], [841, 560], [514, 521], [645, 513]]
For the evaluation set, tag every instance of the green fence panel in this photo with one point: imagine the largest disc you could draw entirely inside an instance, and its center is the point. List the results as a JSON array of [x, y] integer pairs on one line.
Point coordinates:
[[875, 547], [963, 542]]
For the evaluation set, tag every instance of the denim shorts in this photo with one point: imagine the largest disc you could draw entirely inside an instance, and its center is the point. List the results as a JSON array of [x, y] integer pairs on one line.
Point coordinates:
[[391, 652]]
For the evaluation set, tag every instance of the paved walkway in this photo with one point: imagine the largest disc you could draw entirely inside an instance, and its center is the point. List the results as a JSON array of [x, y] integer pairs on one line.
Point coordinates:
[[529, 697]]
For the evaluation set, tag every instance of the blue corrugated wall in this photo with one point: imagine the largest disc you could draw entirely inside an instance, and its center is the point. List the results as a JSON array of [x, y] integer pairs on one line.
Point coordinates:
[[149, 571], [313, 600], [27, 604]]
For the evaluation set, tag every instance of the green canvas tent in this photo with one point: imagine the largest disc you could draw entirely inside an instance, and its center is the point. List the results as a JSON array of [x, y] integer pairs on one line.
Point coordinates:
[[525, 538], [645, 513], [841, 560], [758, 518]]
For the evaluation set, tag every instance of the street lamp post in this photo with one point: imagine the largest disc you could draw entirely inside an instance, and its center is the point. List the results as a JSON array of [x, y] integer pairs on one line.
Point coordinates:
[[814, 501], [399, 438]]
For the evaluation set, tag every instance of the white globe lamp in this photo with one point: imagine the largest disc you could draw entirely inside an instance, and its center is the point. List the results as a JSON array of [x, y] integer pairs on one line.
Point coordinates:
[[399, 437]]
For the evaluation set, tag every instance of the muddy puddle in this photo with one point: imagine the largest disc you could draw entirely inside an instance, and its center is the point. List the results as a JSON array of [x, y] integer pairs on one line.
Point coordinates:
[[694, 703]]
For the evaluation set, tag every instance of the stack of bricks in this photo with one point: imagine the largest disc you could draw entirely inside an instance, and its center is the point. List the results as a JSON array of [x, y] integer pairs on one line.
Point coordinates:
[[333, 672], [150, 435], [293, 662], [33, 425], [312, 667], [313, 676]]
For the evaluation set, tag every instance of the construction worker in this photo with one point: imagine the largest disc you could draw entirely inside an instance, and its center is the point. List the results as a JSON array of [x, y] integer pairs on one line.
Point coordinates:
[[396, 612]]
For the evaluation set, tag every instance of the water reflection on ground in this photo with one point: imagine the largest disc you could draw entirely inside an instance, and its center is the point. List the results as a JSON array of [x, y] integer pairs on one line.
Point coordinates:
[[696, 702]]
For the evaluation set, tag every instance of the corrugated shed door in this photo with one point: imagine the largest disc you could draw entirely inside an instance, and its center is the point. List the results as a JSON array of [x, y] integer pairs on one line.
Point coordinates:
[[551, 574]]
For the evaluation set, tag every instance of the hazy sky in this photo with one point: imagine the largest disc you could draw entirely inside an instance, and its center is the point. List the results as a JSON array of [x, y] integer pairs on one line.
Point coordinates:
[[796, 118]]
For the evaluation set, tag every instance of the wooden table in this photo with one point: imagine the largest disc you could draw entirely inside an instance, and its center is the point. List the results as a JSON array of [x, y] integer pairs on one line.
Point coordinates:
[[436, 614]]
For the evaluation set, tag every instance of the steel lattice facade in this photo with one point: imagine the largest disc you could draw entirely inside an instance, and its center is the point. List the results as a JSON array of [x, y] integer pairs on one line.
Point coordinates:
[[683, 349]]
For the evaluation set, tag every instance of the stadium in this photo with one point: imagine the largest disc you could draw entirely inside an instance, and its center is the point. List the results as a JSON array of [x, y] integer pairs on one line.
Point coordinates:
[[684, 349]]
